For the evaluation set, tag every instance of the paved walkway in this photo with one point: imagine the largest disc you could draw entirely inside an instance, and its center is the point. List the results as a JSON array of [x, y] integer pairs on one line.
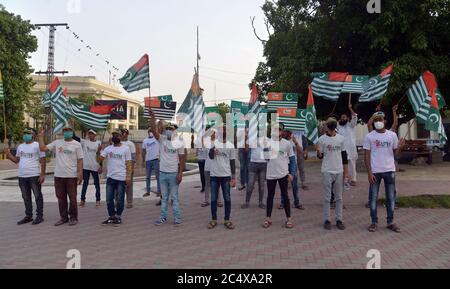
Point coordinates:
[[424, 242]]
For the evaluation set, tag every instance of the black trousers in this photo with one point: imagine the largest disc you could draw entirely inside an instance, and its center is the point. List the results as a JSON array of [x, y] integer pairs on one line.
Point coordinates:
[[271, 185], [201, 166], [26, 186]]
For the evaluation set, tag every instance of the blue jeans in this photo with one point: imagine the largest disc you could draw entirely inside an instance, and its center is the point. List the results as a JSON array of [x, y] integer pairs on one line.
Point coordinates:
[[86, 175], [169, 189], [389, 184], [244, 160], [115, 190], [216, 183], [150, 166]]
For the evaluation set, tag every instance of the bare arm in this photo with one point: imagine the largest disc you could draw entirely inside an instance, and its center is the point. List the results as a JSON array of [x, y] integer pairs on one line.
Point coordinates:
[[370, 124], [10, 156], [42, 146], [80, 170], [394, 127], [153, 129]]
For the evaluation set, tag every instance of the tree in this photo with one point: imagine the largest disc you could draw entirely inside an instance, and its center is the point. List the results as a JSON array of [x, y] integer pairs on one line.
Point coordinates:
[[328, 35], [143, 122], [35, 109], [16, 44], [223, 110]]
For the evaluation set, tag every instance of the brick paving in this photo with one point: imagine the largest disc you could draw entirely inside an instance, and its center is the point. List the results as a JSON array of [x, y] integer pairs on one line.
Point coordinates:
[[423, 243]]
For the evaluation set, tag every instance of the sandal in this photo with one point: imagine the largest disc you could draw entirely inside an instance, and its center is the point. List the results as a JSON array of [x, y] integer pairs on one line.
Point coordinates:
[[394, 228], [267, 224], [212, 224], [289, 225], [373, 228], [229, 225], [204, 204]]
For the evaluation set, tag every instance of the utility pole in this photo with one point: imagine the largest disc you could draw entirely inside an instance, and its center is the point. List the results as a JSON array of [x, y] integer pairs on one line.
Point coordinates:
[[51, 52], [50, 68]]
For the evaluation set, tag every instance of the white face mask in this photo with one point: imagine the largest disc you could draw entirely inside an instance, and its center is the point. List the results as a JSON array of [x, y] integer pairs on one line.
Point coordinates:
[[379, 125]]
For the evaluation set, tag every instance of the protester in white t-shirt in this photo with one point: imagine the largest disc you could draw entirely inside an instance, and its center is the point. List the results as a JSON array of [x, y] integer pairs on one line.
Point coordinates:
[[347, 129], [91, 149], [208, 141], [280, 153], [380, 147], [172, 164], [331, 149], [202, 154], [32, 165], [223, 175], [124, 136], [68, 173], [118, 177], [150, 160]]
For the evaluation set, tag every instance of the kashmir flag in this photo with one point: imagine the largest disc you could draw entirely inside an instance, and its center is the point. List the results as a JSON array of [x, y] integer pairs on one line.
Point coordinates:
[[138, 76], [354, 84], [164, 110], [292, 119], [312, 133], [426, 100], [58, 102], [2, 94], [192, 109], [328, 85], [82, 113], [277, 100], [376, 87]]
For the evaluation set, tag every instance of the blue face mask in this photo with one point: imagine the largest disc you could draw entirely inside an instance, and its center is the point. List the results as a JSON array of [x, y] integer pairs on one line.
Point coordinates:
[[27, 137], [68, 134]]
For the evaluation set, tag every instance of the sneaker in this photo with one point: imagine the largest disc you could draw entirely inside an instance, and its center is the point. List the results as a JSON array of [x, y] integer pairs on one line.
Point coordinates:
[[177, 223], [73, 222], [262, 206], [110, 221], [146, 195], [159, 222], [117, 221], [37, 221], [327, 225], [25, 221], [158, 203], [82, 204], [129, 205], [340, 225], [245, 206]]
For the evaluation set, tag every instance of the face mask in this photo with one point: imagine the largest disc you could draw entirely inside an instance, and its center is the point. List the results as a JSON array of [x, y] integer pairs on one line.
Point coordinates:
[[150, 135], [331, 127], [68, 134], [168, 134], [27, 137], [379, 125], [343, 122], [115, 140]]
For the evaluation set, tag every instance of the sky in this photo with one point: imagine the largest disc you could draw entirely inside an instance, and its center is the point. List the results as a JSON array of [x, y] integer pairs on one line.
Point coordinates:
[[122, 31]]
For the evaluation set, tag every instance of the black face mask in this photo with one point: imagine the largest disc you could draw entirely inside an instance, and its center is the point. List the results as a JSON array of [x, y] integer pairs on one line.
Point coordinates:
[[115, 140], [343, 122], [331, 127]]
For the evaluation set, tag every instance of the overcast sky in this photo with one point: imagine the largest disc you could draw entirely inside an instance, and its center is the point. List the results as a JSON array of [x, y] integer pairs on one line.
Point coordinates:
[[122, 31]]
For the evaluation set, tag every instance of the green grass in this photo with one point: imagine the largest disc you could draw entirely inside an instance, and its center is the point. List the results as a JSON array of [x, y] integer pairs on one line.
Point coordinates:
[[423, 202]]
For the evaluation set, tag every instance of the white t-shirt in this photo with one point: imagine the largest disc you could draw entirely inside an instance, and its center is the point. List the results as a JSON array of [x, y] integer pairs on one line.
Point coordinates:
[[349, 134], [169, 154], [90, 149], [67, 155], [151, 146], [278, 166], [117, 158], [381, 146], [220, 165], [332, 148], [132, 148], [29, 165]]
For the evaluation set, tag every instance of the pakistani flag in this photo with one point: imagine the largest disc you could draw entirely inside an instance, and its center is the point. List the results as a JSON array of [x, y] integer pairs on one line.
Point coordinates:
[[376, 87], [277, 100], [426, 100], [354, 84], [163, 106], [138, 76], [82, 113], [328, 85], [2, 94], [192, 109], [58, 102], [312, 133]]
